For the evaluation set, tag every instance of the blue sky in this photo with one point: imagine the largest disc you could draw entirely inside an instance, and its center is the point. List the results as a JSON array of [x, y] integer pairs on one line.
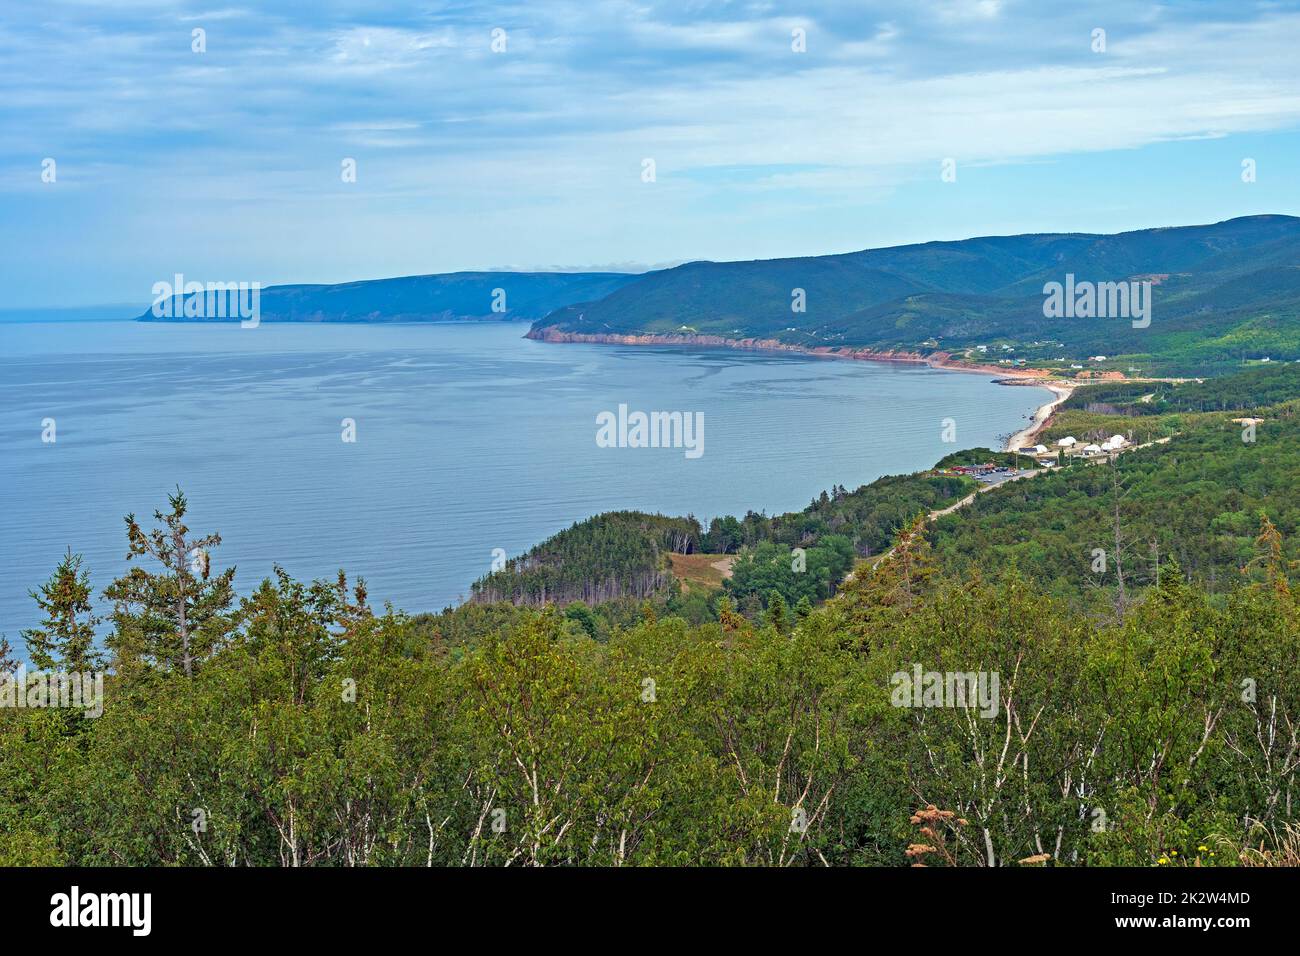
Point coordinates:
[[225, 165]]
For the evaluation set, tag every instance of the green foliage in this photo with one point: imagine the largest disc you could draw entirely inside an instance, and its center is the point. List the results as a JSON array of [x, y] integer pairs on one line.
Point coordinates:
[[173, 619], [66, 639], [980, 456], [1051, 525], [1256, 387], [772, 569], [613, 555], [618, 557], [871, 516]]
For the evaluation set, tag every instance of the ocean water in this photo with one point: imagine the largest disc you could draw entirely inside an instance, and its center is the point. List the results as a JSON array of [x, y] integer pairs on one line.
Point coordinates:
[[468, 438]]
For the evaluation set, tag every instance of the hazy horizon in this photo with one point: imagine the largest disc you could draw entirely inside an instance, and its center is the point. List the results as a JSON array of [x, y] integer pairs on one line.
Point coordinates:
[[108, 311]]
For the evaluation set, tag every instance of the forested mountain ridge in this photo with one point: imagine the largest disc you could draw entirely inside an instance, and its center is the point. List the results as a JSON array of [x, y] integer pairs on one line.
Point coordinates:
[[454, 295], [1220, 291]]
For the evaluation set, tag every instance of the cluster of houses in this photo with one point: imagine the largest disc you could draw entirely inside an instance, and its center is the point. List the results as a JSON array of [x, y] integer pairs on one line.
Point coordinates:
[[983, 350], [1071, 447], [1068, 447]]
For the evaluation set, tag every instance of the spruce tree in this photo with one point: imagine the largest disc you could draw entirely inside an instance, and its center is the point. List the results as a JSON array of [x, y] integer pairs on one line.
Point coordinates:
[[179, 616], [65, 640], [777, 614]]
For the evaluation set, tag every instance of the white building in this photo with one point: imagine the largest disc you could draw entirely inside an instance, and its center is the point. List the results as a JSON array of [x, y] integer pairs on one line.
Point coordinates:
[[1067, 442]]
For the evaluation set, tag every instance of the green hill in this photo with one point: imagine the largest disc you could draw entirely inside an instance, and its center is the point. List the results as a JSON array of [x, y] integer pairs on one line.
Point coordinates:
[[1221, 293], [454, 295]]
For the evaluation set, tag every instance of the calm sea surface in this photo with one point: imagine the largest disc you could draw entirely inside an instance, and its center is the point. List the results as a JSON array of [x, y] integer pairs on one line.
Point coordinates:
[[468, 438]]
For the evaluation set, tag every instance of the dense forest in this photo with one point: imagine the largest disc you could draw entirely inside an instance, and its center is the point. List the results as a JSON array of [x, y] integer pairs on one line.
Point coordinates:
[[1257, 386], [613, 555], [297, 727], [624, 554], [1197, 497]]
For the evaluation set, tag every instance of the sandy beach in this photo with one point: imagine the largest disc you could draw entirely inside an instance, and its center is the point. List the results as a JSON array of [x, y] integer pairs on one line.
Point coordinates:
[[1027, 435]]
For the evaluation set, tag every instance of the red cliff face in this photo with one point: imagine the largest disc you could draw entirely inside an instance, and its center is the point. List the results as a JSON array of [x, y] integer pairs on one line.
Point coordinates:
[[552, 334]]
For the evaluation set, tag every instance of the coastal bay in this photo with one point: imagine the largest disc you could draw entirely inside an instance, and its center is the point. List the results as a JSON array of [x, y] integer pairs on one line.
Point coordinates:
[[469, 438]]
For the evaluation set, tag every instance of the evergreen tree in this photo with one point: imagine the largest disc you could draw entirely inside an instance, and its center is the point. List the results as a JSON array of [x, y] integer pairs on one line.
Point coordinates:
[[66, 638], [1270, 557], [777, 614], [177, 617], [729, 618]]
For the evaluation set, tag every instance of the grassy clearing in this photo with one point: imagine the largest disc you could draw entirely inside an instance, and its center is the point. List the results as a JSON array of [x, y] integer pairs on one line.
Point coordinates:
[[707, 571]]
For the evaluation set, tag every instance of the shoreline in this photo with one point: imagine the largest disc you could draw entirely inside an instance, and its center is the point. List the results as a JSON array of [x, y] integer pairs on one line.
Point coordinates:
[[1042, 415], [1060, 389]]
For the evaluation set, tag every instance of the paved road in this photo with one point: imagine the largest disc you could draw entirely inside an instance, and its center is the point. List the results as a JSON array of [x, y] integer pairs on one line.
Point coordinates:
[[988, 483]]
